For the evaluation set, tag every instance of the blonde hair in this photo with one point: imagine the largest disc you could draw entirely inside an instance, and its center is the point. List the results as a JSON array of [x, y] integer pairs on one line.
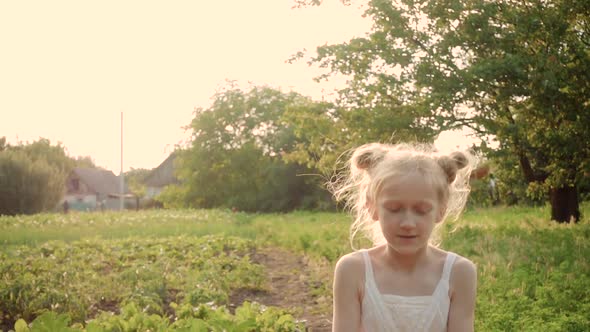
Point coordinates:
[[371, 164]]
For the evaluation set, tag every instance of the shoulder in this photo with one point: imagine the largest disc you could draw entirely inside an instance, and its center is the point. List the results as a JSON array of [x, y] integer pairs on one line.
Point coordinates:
[[350, 271], [463, 268], [350, 264], [462, 294], [463, 274], [348, 292]]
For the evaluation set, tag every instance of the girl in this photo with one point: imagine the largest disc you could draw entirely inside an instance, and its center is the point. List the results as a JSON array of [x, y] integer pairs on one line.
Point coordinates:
[[399, 195]]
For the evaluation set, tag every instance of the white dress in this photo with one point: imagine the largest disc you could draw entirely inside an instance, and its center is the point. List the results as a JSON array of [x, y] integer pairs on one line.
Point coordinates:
[[394, 313]]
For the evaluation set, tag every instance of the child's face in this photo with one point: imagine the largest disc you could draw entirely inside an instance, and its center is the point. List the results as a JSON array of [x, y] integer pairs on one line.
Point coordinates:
[[407, 210]]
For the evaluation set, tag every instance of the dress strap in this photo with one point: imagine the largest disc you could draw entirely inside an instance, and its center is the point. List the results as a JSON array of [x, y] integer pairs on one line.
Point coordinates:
[[373, 303], [448, 266], [368, 266]]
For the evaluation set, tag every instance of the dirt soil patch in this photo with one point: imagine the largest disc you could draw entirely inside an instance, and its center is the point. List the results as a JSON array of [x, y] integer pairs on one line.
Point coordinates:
[[289, 286]]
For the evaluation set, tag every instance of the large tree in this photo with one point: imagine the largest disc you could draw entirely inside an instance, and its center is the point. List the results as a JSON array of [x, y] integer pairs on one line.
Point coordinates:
[[28, 185], [235, 157], [32, 175], [517, 70]]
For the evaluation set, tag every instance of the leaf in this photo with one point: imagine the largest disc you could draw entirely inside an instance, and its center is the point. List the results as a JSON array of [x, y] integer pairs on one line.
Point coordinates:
[[21, 326], [94, 327], [50, 322]]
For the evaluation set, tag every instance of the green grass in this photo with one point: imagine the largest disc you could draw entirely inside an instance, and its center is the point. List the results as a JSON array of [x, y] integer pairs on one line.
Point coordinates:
[[533, 274], [314, 233]]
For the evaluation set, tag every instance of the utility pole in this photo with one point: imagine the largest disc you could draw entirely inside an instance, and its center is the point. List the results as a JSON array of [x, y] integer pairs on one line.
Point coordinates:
[[122, 177]]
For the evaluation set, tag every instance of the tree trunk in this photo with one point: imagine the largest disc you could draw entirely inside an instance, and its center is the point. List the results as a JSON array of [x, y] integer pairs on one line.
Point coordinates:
[[565, 206]]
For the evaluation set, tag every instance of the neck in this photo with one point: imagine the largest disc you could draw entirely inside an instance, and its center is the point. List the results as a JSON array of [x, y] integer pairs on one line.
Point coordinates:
[[406, 262]]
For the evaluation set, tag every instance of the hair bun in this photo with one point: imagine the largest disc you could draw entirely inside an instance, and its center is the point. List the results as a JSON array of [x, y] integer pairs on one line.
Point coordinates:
[[451, 164], [459, 159], [368, 155]]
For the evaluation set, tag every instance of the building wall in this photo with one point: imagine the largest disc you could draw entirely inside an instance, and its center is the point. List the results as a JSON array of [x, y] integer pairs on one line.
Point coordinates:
[[81, 197], [80, 202]]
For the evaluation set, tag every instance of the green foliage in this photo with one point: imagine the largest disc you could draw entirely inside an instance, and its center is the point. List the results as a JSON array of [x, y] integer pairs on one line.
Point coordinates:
[[84, 162], [249, 317], [21, 326], [515, 70], [27, 184], [84, 277], [131, 318], [531, 276], [50, 321], [32, 175], [235, 159], [317, 143], [134, 179], [174, 196], [479, 195], [54, 155], [171, 284], [327, 131], [512, 186]]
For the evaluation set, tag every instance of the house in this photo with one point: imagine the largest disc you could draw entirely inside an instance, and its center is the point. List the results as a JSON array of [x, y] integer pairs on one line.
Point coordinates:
[[93, 189], [160, 177]]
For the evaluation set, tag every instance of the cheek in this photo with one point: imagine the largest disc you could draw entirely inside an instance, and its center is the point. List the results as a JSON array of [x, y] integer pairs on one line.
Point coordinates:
[[387, 223], [426, 222]]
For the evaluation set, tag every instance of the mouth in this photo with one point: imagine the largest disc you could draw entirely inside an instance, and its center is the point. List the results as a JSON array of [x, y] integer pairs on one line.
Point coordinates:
[[408, 236]]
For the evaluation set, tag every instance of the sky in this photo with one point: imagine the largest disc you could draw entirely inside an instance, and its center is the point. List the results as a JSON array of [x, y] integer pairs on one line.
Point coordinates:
[[68, 69]]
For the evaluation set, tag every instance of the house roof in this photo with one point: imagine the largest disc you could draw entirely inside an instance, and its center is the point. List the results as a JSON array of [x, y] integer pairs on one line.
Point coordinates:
[[163, 175], [99, 180]]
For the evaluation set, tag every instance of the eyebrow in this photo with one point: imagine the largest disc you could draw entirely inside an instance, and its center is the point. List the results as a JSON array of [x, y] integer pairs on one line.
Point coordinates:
[[396, 201]]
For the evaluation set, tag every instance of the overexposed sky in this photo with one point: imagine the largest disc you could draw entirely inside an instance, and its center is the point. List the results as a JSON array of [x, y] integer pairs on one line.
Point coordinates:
[[69, 68]]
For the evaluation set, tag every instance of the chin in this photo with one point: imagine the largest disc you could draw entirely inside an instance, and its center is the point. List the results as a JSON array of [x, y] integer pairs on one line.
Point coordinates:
[[405, 249]]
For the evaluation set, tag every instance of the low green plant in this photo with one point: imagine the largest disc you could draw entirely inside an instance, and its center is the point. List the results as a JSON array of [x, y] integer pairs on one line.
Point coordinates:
[[82, 278], [249, 317]]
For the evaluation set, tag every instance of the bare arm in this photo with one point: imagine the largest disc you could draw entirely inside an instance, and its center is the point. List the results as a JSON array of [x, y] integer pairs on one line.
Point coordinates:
[[464, 284], [347, 303]]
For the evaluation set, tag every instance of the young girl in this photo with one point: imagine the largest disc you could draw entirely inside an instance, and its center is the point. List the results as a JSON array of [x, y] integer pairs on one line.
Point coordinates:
[[399, 195]]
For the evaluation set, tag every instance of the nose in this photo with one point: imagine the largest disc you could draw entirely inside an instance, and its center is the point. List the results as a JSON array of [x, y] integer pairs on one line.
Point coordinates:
[[408, 221]]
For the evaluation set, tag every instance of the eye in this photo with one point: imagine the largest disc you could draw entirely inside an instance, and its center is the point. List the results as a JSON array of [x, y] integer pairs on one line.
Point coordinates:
[[422, 212], [393, 208], [423, 209]]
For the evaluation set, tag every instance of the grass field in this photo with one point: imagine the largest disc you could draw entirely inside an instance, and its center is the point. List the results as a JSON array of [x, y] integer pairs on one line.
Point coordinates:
[[192, 270]]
